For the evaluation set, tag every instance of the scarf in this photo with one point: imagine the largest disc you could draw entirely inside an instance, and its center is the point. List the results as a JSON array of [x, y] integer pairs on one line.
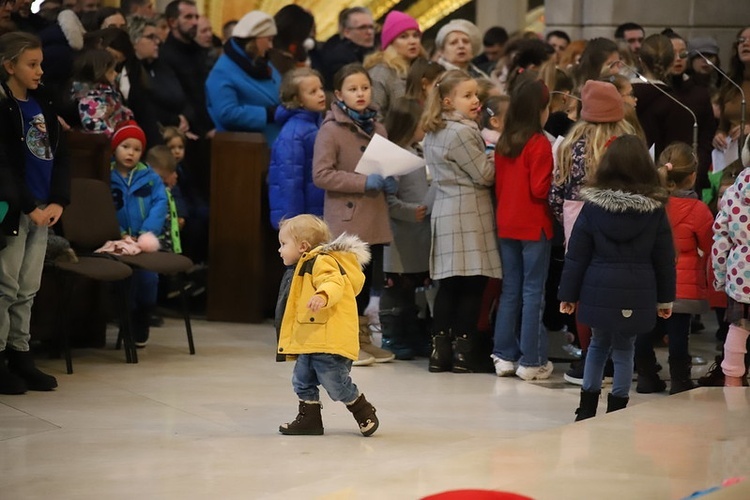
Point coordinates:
[[257, 68], [365, 119]]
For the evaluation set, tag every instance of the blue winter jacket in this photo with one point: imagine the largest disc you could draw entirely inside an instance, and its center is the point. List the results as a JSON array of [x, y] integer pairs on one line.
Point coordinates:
[[290, 186], [237, 102], [620, 264], [140, 200]]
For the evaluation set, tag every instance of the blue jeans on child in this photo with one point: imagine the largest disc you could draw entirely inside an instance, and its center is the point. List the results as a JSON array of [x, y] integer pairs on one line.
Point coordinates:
[[525, 265], [622, 348], [21, 264], [329, 370]]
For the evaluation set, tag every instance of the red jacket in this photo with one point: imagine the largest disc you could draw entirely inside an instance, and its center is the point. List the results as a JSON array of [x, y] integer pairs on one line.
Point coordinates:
[[522, 185], [691, 222]]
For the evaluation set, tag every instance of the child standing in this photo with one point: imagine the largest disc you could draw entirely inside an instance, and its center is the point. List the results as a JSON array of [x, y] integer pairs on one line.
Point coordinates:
[[161, 161], [290, 186], [141, 203], [35, 182], [463, 253], [692, 223], [493, 120], [100, 105], [320, 324], [406, 261], [729, 255], [523, 161], [354, 203], [619, 266]]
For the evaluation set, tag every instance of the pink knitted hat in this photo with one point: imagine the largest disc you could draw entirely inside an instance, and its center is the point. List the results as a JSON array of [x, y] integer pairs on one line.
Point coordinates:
[[396, 23], [602, 103]]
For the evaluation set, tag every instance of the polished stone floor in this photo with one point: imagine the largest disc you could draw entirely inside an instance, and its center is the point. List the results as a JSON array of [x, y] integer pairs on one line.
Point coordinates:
[[177, 426]]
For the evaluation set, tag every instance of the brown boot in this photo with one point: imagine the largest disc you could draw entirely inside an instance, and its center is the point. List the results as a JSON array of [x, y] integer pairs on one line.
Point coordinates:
[[364, 414], [365, 343], [308, 421]]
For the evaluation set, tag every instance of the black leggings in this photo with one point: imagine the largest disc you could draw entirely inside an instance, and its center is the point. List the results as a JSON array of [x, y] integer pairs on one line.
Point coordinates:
[[458, 303], [363, 299]]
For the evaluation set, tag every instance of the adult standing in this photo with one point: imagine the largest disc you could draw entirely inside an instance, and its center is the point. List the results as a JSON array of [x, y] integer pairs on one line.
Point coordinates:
[[295, 26], [400, 43], [458, 42], [186, 58], [143, 8], [242, 91], [730, 100], [355, 40]]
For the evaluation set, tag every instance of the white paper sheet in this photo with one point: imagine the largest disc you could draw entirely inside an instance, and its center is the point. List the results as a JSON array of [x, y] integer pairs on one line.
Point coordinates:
[[555, 147], [385, 158], [652, 152], [721, 159]]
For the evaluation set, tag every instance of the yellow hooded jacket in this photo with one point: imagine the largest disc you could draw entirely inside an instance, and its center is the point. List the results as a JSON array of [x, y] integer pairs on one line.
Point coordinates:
[[334, 270]]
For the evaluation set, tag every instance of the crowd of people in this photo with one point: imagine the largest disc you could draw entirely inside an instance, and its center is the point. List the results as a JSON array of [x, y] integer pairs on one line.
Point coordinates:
[[569, 185]]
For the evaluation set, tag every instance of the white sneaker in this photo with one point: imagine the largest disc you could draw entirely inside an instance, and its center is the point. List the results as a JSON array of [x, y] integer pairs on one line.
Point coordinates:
[[535, 372], [503, 368]]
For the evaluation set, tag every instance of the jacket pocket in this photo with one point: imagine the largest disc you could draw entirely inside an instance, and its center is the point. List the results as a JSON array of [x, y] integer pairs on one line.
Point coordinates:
[[306, 316], [347, 211]]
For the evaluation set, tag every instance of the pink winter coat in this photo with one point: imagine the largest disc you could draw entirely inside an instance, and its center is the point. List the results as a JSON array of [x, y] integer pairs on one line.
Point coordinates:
[[348, 207]]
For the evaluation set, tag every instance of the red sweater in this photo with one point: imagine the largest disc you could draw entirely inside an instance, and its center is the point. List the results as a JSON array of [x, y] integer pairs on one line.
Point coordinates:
[[522, 185], [692, 229]]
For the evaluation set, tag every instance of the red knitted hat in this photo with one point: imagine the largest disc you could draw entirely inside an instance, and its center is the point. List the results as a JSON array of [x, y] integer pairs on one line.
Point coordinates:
[[602, 103], [128, 130]]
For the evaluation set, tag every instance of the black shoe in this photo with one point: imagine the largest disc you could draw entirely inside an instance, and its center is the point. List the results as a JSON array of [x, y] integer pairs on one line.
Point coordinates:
[[21, 363], [574, 375], [156, 321], [10, 383], [714, 377]]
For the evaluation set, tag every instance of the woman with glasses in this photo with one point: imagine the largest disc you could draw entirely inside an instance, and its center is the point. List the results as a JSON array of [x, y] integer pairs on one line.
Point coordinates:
[[401, 45], [729, 97]]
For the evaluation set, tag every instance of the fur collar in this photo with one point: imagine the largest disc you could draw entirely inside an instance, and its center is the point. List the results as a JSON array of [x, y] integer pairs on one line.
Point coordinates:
[[349, 243], [620, 201], [72, 28]]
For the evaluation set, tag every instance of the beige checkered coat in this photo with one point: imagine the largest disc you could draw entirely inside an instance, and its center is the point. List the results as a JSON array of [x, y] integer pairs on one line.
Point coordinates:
[[464, 241]]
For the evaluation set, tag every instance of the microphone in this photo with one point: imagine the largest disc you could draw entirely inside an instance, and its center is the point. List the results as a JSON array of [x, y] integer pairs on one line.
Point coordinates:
[[741, 138], [695, 119]]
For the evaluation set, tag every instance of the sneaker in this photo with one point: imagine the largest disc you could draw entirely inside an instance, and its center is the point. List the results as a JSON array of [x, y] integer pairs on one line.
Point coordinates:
[[529, 373], [503, 368], [364, 359], [574, 375]]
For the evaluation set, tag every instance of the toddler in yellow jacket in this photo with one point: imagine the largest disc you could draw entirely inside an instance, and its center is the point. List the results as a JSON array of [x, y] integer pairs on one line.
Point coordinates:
[[320, 324]]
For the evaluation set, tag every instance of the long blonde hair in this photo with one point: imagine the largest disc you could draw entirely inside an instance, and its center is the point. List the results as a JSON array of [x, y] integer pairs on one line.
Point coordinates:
[[392, 60], [432, 119], [596, 137]]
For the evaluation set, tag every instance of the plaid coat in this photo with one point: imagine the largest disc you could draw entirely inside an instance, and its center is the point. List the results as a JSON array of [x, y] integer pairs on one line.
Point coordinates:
[[463, 220]]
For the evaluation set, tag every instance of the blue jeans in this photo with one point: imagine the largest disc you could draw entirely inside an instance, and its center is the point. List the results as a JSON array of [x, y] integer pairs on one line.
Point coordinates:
[[525, 265], [144, 289], [21, 264], [329, 370], [622, 348]]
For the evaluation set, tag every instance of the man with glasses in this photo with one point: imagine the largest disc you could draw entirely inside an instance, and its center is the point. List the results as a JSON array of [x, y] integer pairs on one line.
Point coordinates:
[[356, 39]]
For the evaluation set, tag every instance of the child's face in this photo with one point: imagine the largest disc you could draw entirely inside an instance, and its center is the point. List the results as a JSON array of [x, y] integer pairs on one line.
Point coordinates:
[[289, 250], [355, 92], [111, 75], [26, 71], [311, 95], [128, 153], [464, 99], [177, 147], [628, 96]]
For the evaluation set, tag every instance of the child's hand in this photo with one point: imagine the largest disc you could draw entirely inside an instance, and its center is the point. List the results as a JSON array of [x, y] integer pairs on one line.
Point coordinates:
[[52, 213], [567, 307], [39, 217], [390, 185], [664, 313], [316, 303], [421, 213]]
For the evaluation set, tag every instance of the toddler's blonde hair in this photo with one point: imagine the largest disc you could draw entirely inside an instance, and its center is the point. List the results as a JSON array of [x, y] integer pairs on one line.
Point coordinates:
[[306, 228]]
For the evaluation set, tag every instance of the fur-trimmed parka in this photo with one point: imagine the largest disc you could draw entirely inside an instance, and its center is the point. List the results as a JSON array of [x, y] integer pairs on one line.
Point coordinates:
[[620, 264], [333, 270]]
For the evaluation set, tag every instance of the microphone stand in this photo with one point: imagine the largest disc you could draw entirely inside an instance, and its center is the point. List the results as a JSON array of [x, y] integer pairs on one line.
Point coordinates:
[[695, 119], [741, 138]]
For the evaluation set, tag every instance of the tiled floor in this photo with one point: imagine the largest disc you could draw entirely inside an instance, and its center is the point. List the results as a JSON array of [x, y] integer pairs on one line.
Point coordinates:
[[176, 426]]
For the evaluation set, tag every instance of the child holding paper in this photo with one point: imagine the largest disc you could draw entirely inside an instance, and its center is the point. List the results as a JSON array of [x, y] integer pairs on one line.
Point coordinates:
[[354, 203]]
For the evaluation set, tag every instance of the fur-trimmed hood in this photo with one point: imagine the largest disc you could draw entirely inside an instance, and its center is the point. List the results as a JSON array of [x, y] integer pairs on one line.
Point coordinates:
[[619, 215], [351, 244], [71, 27]]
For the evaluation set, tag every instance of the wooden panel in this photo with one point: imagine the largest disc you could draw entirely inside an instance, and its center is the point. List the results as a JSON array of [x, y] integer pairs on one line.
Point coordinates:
[[238, 287], [90, 155]]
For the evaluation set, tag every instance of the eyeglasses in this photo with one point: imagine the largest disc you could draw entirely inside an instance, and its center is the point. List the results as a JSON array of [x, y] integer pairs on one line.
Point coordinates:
[[153, 37], [614, 64], [742, 39], [683, 55], [364, 27]]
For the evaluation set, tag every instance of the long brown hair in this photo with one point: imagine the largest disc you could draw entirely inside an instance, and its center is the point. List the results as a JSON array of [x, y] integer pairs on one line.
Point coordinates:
[[627, 166], [524, 116]]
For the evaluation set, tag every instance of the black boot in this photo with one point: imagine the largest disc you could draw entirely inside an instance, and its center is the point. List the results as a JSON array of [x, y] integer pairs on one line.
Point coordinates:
[[587, 406], [364, 414], [714, 377], [10, 383], [441, 358], [679, 370], [615, 403], [140, 320], [462, 354], [648, 378], [308, 421], [21, 363]]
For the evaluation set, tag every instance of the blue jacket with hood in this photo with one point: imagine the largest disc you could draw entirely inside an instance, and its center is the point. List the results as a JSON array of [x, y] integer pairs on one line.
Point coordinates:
[[140, 200], [290, 186]]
